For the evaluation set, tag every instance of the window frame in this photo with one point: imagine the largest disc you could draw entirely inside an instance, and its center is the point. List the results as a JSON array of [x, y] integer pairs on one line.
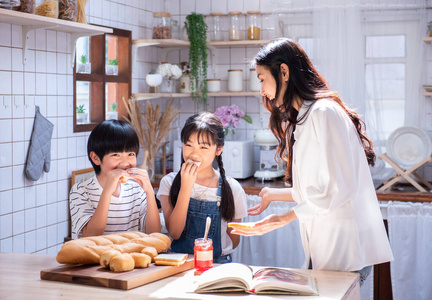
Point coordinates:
[[99, 79]]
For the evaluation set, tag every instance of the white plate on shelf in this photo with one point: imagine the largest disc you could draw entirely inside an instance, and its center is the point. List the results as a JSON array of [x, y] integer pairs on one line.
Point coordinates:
[[408, 146]]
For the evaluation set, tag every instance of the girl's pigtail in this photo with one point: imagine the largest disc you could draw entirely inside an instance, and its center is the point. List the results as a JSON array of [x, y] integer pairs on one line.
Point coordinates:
[[227, 208], [175, 187]]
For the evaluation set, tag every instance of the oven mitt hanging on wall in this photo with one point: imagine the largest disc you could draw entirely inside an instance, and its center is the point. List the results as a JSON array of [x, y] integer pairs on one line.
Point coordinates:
[[39, 154]]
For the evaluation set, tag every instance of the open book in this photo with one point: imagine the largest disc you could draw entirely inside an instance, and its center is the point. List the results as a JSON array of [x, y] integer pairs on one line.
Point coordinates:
[[235, 277]]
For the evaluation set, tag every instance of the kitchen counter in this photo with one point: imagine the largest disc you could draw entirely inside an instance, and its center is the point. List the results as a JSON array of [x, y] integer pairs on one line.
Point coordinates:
[[20, 279], [404, 193]]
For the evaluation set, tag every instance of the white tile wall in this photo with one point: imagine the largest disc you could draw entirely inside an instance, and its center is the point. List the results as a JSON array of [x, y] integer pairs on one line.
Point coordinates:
[[34, 215]]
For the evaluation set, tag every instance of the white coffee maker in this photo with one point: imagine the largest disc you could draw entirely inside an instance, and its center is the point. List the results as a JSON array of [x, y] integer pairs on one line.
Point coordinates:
[[269, 169]]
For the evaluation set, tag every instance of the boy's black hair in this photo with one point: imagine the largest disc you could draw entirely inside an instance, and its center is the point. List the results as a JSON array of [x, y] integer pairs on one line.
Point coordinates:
[[209, 129], [111, 136]]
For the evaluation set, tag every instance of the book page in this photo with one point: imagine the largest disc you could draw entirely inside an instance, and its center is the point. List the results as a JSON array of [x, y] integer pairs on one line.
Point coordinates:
[[282, 280], [227, 276]]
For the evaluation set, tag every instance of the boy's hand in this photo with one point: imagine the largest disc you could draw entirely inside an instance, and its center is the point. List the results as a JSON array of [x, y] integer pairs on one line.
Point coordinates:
[[112, 180], [188, 173], [142, 178]]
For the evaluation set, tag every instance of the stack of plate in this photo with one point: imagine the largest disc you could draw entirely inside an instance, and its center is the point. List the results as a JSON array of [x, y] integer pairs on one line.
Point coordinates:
[[428, 87], [408, 145]]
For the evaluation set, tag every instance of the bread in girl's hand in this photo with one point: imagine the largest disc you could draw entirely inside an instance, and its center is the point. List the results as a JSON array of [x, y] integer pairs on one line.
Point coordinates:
[[197, 163]]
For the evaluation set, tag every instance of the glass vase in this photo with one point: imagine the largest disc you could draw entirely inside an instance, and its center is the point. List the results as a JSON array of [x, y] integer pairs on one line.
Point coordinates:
[[230, 134], [168, 86]]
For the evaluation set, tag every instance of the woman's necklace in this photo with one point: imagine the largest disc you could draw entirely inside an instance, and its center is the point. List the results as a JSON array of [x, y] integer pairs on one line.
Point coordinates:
[[199, 196]]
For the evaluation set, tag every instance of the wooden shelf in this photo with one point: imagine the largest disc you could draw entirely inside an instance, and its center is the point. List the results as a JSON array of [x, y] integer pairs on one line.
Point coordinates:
[[146, 96], [427, 39], [173, 43], [25, 19], [238, 43], [31, 22], [162, 43]]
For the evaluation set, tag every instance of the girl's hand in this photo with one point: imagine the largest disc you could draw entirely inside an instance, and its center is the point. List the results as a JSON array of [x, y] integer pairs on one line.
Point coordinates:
[[188, 173], [265, 194], [142, 178], [267, 224]]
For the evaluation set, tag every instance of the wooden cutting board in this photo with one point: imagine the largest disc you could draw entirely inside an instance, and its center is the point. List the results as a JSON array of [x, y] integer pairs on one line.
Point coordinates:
[[95, 275]]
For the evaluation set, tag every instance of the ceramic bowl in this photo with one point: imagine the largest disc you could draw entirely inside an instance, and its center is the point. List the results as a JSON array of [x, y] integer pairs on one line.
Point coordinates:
[[154, 79]]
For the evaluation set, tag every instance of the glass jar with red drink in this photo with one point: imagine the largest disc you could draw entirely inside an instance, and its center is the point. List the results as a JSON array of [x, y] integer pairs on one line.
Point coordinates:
[[203, 254]]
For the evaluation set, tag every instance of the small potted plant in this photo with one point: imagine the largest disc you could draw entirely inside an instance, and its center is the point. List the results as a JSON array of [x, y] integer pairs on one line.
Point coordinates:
[[112, 67], [83, 66], [81, 115], [112, 114]]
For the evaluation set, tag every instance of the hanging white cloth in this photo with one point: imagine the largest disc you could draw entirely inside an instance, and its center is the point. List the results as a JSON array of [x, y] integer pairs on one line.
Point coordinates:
[[410, 233], [279, 248]]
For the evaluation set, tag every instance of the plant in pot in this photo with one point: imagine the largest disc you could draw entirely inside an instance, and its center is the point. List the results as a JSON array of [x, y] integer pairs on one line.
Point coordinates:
[[197, 34], [83, 66], [112, 67], [112, 114], [81, 115]]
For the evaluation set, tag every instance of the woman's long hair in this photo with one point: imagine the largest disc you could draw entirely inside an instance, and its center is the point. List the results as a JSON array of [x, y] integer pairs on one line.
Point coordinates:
[[305, 83], [209, 130]]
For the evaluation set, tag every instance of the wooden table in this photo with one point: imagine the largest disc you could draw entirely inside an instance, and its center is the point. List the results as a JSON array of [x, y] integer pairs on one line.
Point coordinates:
[[20, 279]]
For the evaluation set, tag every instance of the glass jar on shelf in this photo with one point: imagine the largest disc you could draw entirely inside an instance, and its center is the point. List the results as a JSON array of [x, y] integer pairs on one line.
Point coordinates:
[[68, 10], [27, 6], [215, 21], [48, 8], [254, 25], [9, 4], [161, 25], [235, 29]]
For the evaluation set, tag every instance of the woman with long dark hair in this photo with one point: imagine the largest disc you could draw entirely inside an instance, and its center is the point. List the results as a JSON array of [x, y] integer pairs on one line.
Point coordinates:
[[327, 153]]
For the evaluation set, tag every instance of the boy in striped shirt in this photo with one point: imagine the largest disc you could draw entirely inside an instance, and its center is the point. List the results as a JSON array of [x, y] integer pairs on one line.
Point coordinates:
[[104, 204]]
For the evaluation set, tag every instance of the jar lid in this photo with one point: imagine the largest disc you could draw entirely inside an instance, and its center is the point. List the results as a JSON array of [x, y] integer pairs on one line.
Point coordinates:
[[161, 14], [231, 13], [216, 14], [253, 12], [235, 70], [213, 79]]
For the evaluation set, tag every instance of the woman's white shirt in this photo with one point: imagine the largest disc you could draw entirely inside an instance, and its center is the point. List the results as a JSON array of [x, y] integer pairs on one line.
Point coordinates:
[[210, 194], [340, 220]]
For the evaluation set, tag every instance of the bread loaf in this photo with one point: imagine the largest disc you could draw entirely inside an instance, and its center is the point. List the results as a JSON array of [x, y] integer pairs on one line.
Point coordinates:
[[88, 250], [122, 263]]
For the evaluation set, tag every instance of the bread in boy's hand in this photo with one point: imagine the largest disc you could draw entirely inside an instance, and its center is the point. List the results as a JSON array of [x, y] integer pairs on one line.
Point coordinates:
[[124, 178]]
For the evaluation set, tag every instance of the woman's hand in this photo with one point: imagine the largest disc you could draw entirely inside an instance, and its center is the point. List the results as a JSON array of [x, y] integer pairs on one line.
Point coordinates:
[[142, 178], [267, 224], [189, 172], [265, 195]]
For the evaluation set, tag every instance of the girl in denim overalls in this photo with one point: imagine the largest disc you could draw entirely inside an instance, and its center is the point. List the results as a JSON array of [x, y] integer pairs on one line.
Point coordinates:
[[198, 191]]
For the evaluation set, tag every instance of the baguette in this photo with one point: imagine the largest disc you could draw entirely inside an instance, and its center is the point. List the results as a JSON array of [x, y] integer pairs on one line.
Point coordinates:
[[88, 250]]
